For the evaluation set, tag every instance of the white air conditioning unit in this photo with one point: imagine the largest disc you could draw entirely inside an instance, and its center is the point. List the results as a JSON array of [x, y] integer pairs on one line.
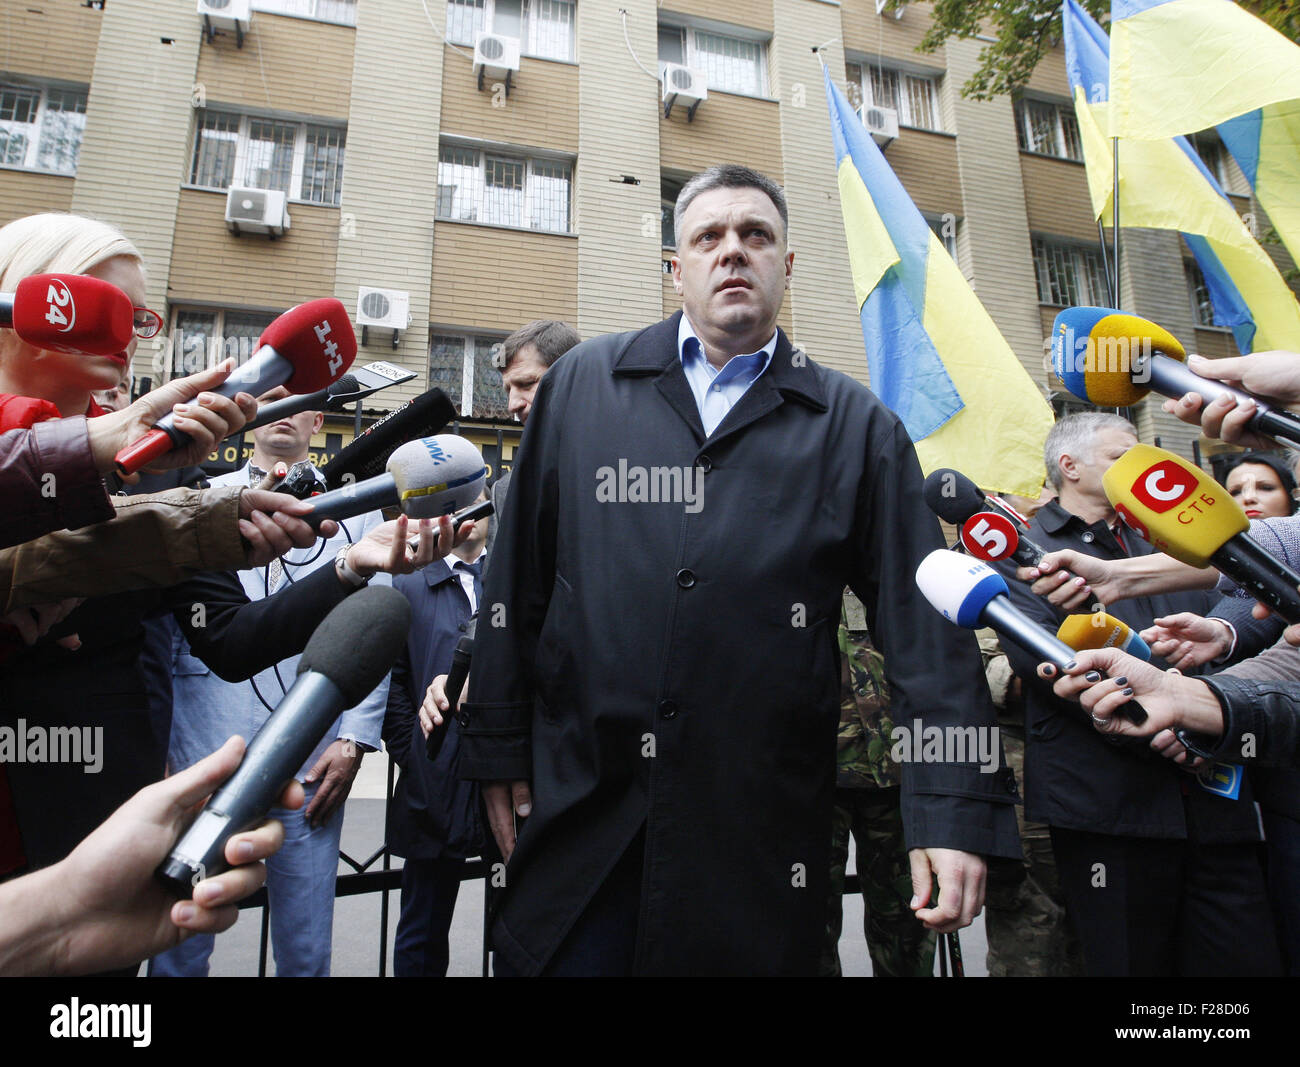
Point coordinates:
[[682, 86], [234, 15], [881, 123], [257, 211], [388, 309], [496, 58]]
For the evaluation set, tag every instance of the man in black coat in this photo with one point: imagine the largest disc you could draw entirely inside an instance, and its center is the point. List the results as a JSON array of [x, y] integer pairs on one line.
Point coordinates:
[[1159, 874], [656, 650]]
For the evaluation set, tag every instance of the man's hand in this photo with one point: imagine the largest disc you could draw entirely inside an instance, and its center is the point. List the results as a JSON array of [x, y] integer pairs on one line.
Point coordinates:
[[271, 525], [1187, 640], [35, 622], [503, 801], [206, 417], [102, 907], [336, 769], [386, 547], [435, 703], [961, 887]]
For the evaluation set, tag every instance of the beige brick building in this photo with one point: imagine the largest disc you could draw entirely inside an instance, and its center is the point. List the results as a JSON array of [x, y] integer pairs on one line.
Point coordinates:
[[489, 202]]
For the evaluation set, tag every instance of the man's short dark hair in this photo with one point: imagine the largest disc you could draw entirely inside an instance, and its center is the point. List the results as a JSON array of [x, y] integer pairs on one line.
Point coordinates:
[[729, 176], [551, 337]]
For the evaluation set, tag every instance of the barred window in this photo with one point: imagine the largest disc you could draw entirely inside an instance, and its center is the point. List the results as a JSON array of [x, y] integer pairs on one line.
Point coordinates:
[[914, 96], [1199, 293], [730, 64], [341, 11], [202, 338], [545, 28], [476, 186], [1069, 274], [462, 366], [305, 161], [41, 127], [1048, 129]]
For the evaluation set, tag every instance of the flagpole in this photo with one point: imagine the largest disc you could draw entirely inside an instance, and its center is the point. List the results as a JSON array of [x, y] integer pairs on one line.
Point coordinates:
[[1105, 263], [1114, 200]]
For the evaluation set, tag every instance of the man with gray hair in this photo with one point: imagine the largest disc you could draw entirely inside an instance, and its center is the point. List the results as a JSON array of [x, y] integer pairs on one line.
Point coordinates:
[[661, 678], [1159, 873]]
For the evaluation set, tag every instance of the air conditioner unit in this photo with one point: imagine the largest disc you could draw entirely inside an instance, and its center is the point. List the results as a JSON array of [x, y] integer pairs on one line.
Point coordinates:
[[388, 309], [257, 211], [683, 86], [881, 123], [234, 15], [496, 58]]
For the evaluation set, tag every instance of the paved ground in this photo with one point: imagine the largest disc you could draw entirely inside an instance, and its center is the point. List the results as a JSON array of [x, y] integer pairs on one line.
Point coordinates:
[[356, 919]]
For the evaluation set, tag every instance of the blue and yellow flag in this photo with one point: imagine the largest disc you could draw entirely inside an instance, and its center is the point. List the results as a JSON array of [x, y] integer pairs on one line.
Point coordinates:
[[1164, 185], [936, 358], [1178, 66], [1266, 145]]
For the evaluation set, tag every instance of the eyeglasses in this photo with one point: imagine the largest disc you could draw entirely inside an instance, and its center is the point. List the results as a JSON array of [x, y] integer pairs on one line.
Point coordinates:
[[147, 323]]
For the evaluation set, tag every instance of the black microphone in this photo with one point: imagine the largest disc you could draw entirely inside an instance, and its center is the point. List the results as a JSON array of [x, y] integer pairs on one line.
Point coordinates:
[[955, 499], [347, 387], [367, 456], [348, 655], [460, 661]]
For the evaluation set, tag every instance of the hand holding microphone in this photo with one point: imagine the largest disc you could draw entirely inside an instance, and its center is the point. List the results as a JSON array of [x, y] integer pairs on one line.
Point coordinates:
[[304, 350], [971, 594], [1114, 359], [1272, 375]]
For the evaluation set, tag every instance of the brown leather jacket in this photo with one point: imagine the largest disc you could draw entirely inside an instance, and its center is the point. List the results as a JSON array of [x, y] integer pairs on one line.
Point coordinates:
[[156, 540]]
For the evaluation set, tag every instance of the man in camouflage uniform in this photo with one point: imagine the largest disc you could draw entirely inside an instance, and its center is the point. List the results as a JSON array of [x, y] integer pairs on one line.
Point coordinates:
[[867, 805]]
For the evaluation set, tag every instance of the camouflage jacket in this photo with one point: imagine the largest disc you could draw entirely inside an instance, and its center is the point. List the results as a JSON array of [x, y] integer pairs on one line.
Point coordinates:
[[866, 731]]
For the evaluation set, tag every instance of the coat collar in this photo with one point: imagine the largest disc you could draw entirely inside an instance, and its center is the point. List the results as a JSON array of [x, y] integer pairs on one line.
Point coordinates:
[[654, 351]]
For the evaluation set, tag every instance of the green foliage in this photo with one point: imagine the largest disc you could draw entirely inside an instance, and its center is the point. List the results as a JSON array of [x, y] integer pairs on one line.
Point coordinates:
[[1026, 30]]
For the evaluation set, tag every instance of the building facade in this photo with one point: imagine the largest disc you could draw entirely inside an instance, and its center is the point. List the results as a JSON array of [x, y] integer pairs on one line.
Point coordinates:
[[487, 201]]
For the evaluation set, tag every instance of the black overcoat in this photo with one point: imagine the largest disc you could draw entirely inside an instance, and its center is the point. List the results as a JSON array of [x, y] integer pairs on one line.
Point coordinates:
[[673, 664]]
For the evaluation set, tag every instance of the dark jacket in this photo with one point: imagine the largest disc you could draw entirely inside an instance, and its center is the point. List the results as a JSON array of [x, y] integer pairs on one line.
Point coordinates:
[[433, 813], [33, 505], [1259, 716], [675, 667], [101, 685], [1075, 778]]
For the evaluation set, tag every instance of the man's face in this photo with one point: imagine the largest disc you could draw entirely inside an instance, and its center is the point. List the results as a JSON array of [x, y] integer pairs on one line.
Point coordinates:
[[288, 439], [732, 268], [520, 380], [478, 536], [1107, 447], [115, 399]]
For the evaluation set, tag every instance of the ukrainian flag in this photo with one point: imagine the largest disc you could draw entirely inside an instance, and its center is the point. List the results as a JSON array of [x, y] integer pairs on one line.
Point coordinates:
[[1266, 145], [1164, 185], [1178, 66], [935, 356]]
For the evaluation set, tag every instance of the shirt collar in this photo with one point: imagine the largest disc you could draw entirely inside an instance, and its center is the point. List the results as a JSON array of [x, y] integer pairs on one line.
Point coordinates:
[[689, 353]]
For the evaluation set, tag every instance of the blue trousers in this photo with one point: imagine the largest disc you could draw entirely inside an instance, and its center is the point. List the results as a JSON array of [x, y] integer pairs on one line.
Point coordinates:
[[300, 884], [429, 890]]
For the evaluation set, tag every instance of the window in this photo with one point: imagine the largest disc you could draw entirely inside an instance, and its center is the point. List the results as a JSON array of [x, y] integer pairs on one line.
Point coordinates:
[[340, 11], [202, 338], [301, 159], [1069, 274], [914, 96], [944, 227], [729, 64], [1199, 293], [503, 190], [1213, 155], [669, 190], [463, 367], [544, 27], [1048, 129], [41, 127]]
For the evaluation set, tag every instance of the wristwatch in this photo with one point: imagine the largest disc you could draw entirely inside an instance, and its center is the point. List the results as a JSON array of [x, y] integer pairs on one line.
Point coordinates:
[[347, 573]]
